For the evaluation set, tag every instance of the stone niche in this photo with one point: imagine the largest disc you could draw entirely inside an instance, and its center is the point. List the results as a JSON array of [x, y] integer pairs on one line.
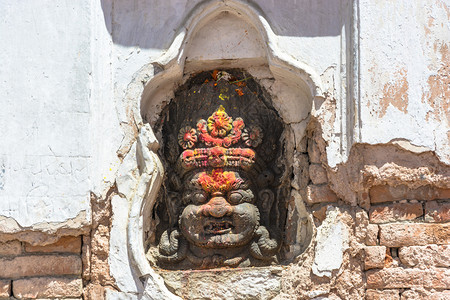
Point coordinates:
[[223, 200], [214, 199], [226, 185]]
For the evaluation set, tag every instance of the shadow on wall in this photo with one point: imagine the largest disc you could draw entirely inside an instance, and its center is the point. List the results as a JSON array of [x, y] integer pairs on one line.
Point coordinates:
[[153, 24]]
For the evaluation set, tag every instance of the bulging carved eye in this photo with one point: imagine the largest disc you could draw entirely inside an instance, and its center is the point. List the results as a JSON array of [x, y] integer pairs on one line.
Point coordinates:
[[235, 197], [198, 198], [194, 197], [240, 196]]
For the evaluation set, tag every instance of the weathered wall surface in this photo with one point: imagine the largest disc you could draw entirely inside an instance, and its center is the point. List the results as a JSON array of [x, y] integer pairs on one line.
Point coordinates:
[[376, 141], [404, 90], [45, 152]]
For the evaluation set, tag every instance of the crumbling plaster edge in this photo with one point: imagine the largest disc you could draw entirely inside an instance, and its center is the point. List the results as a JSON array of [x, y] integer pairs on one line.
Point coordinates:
[[44, 233]]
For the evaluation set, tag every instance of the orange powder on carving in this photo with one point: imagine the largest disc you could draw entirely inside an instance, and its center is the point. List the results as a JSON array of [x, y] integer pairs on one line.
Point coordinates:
[[217, 181]]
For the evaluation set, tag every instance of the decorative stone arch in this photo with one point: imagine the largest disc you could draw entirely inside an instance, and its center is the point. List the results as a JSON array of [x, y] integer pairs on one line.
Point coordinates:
[[293, 86]]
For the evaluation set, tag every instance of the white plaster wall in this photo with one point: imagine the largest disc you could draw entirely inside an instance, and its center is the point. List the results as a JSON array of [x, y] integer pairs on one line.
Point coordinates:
[[45, 87], [403, 55]]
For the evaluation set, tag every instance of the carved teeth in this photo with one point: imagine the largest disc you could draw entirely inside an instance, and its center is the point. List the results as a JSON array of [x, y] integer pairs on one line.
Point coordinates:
[[218, 227]]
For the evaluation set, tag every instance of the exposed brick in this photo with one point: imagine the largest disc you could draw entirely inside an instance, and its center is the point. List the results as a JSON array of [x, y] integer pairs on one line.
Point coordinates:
[[430, 255], [94, 292], [5, 288], [47, 287], [86, 258], [386, 193], [313, 151], [382, 295], [395, 212], [438, 278], [10, 248], [374, 257], [411, 234], [67, 244], [437, 211], [425, 295], [318, 174], [40, 265], [361, 221], [389, 278], [372, 235], [394, 278], [320, 213], [320, 194]]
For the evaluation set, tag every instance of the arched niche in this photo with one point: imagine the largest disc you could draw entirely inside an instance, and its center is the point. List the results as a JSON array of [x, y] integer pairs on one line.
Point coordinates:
[[237, 36]]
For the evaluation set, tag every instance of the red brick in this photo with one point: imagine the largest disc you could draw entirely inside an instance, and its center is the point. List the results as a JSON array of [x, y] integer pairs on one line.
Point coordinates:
[[425, 295], [374, 257], [86, 258], [438, 278], [5, 288], [313, 152], [386, 193], [411, 234], [382, 295], [67, 244], [47, 287], [94, 292], [320, 213], [10, 248], [318, 174], [320, 194], [395, 212], [372, 234], [430, 255], [388, 278], [437, 211], [394, 278], [40, 265]]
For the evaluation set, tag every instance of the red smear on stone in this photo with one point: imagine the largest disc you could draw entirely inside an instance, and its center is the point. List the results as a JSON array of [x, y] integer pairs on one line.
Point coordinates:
[[217, 181]]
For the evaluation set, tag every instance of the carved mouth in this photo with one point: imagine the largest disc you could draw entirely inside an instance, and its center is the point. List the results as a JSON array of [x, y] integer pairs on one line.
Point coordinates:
[[218, 227]]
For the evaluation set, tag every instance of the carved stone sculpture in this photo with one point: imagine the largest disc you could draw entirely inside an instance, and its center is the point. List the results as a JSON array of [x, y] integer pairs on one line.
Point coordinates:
[[222, 204]]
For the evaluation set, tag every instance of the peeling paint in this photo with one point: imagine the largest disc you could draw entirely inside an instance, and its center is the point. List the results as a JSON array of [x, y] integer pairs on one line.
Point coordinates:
[[438, 96], [395, 92]]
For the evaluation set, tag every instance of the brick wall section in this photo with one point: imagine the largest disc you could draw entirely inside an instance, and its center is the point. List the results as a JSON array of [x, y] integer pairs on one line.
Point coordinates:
[[407, 252], [45, 287], [413, 227], [395, 212], [28, 272]]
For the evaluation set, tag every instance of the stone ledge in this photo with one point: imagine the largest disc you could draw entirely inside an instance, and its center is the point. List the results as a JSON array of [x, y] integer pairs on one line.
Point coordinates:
[[247, 283]]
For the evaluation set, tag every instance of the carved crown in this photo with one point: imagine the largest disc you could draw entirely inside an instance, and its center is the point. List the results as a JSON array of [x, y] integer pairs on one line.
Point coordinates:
[[210, 144]]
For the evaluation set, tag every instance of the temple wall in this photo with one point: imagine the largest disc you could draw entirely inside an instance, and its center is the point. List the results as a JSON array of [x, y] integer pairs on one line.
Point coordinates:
[[362, 86]]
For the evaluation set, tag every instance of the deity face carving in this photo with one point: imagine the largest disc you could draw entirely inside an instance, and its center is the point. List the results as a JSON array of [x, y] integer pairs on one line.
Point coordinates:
[[220, 205], [220, 210]]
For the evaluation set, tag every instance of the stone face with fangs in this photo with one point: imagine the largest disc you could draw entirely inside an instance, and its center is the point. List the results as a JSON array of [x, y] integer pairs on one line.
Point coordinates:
[[219, 207]]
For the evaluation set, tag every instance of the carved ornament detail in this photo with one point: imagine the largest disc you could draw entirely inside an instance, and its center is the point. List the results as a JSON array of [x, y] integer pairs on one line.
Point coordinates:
[[221, 191]]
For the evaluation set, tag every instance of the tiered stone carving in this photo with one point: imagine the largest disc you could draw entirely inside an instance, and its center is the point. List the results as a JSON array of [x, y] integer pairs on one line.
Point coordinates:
[[220, 190]]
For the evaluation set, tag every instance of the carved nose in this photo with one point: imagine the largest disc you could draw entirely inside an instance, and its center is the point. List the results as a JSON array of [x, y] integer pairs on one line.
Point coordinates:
[[217, 207]]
